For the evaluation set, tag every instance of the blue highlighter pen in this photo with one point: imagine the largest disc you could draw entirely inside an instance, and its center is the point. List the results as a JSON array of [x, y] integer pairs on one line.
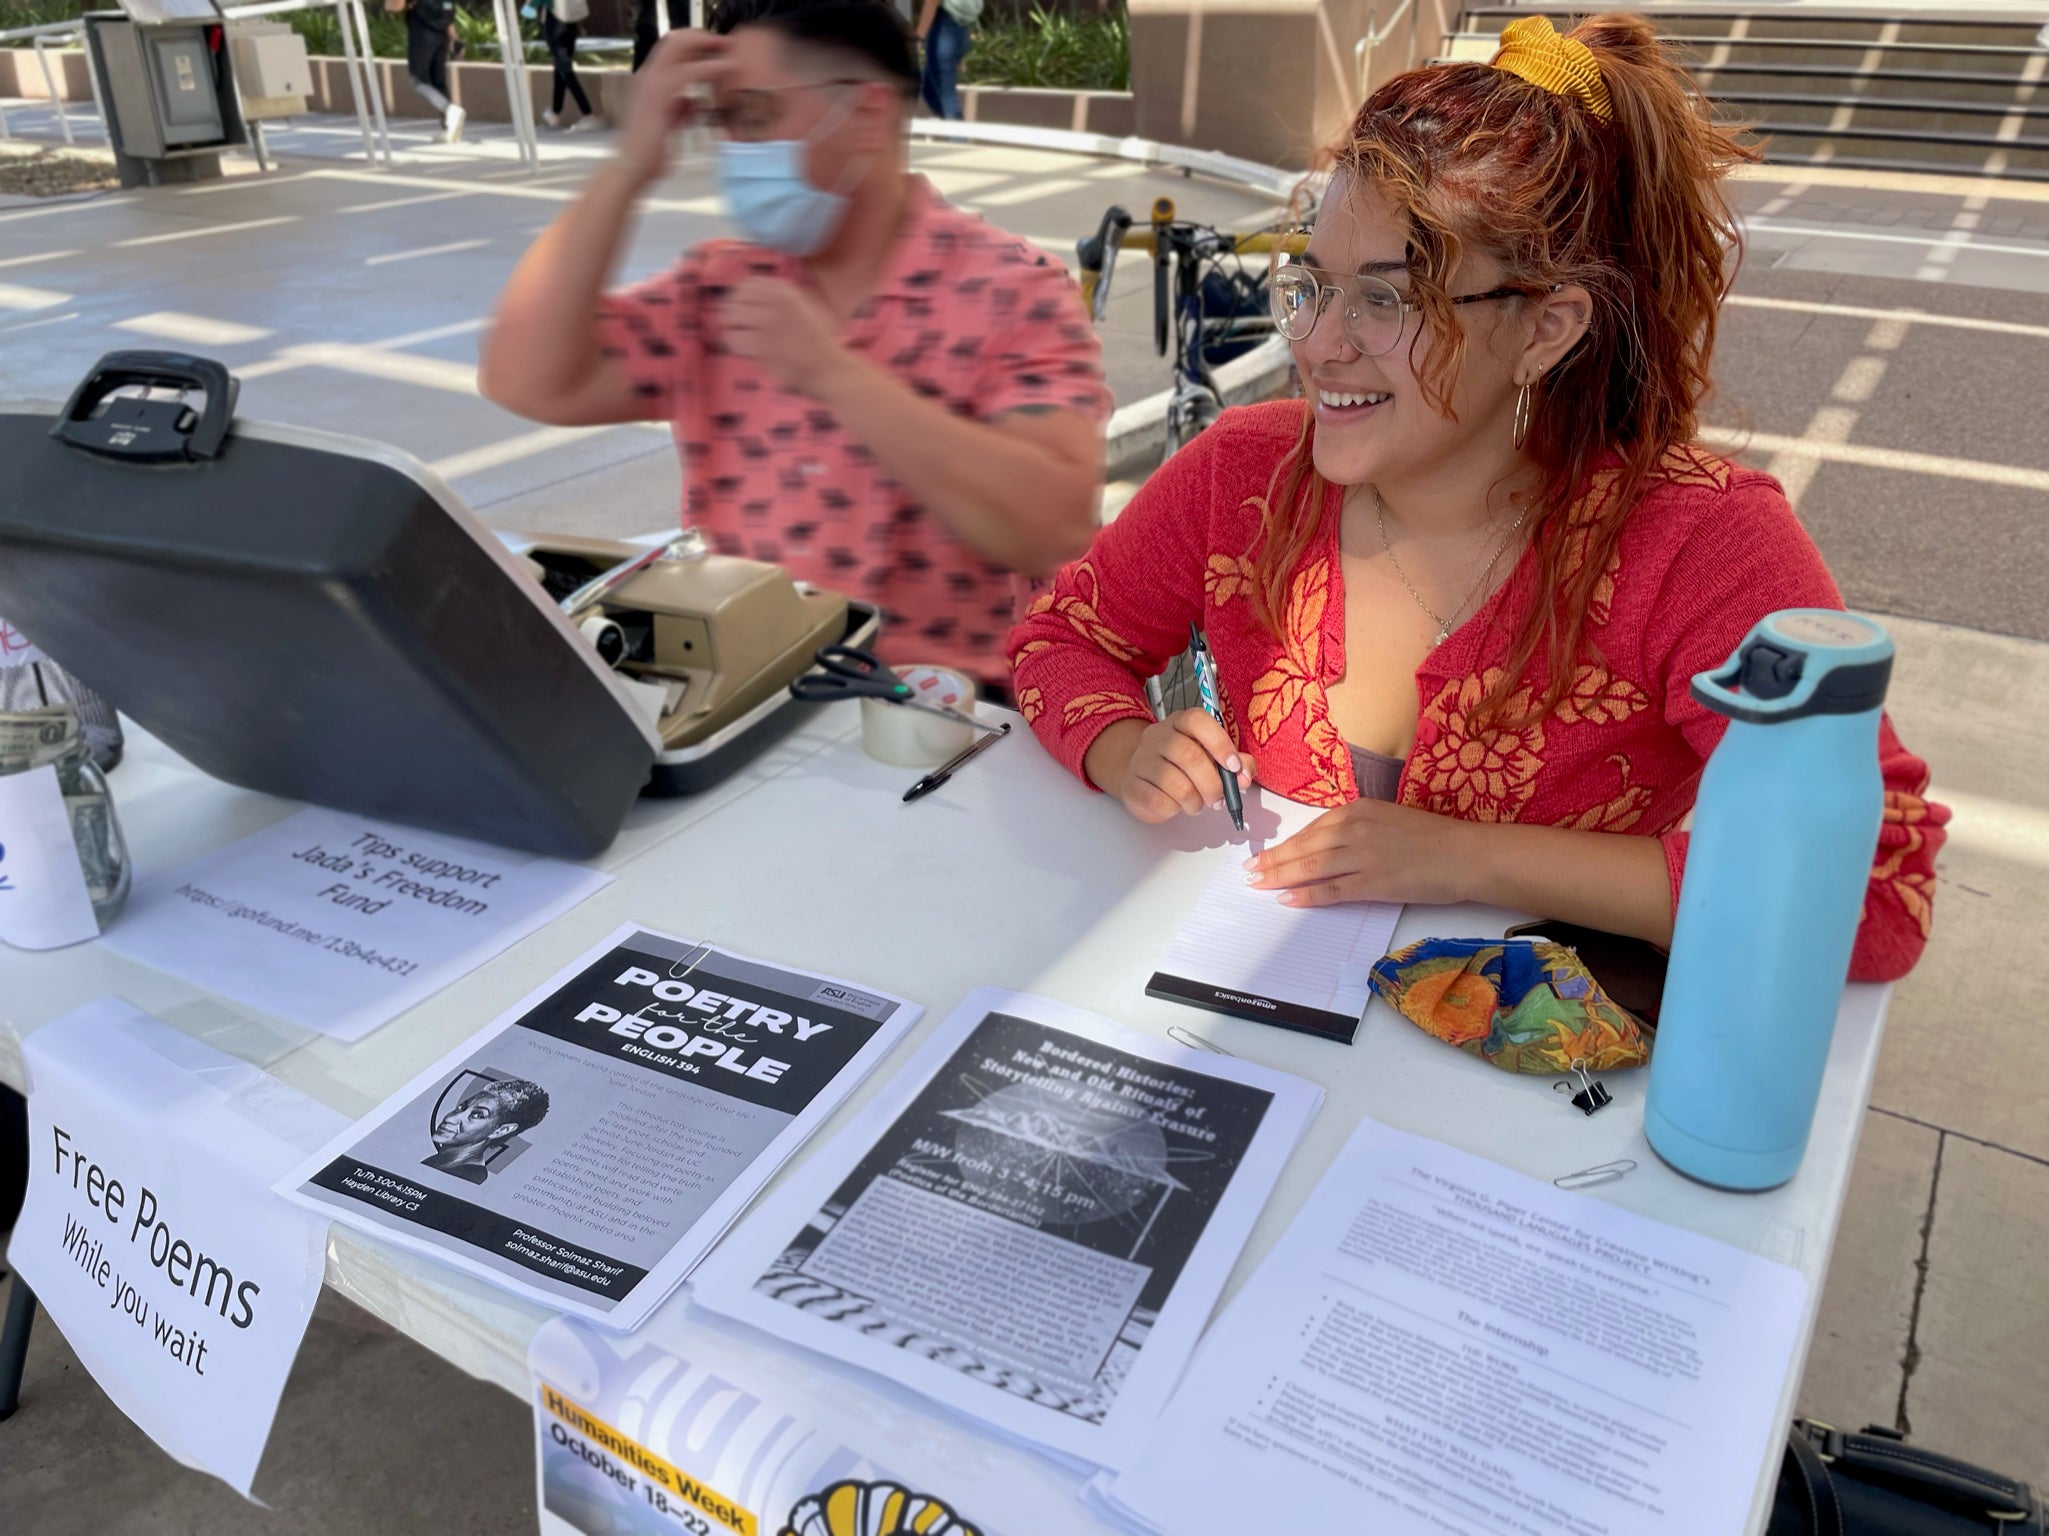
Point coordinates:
[[1205, 680]]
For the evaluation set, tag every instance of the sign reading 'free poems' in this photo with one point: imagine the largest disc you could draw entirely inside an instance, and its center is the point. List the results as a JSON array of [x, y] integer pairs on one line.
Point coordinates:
[[150, 1233]]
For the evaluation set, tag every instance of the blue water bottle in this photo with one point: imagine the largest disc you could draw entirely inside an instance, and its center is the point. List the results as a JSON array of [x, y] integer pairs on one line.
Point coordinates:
[[1784, 831]]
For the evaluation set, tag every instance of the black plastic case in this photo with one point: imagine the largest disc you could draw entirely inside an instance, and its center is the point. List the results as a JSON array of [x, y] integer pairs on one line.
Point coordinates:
[[307, 615]]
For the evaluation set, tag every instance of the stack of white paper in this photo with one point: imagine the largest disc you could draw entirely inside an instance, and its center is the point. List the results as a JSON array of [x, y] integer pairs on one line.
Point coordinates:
[[1030, 1224], [1439, 1345], [1242, 952]]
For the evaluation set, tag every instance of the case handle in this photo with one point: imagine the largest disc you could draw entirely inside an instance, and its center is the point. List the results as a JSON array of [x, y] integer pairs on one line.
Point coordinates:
[[149, 433]]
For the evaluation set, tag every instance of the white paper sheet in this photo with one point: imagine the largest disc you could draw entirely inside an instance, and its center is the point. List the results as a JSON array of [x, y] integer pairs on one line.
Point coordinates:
[[151, 1235], [43, 900], [338, 924], [589, 1144], [1030, 1224], [1439, 1345], [1241, 952]]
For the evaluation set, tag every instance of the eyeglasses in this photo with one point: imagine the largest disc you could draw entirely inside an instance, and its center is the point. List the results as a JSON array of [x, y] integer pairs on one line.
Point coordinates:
[[753, 113], [1375, 311]]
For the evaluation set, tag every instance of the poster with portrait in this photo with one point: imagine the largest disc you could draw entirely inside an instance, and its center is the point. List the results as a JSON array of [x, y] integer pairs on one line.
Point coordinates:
[[1030, 1224], [588, 1146]]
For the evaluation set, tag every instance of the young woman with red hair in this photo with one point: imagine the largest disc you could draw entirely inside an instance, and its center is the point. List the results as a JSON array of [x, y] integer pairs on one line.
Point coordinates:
[[1457, 595]]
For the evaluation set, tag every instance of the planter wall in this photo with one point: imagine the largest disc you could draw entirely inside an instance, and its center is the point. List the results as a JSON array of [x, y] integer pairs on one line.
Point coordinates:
[[614, 18], [479, 88], [21, 77], [1108, 112]]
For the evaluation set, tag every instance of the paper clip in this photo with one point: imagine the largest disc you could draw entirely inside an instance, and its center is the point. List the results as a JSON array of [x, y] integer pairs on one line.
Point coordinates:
[[1182, 1036], [1600, 1173], [703, 954], [1592, 1095]]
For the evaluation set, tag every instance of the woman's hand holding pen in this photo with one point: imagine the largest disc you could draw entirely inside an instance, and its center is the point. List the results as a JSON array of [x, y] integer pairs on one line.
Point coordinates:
[[1372, 851], [1169, 768]]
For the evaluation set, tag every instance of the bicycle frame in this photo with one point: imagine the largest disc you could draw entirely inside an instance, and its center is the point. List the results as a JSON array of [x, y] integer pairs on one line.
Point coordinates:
[[1182, 252]]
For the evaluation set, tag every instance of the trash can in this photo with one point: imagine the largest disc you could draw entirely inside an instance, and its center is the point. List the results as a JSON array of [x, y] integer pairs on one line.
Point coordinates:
[[166, 79]]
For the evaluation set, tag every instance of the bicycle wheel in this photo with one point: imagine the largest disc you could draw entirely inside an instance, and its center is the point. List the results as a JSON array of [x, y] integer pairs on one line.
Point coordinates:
[[1192, 408]]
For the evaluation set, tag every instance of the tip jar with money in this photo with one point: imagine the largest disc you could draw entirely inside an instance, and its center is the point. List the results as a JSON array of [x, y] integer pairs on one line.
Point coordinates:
[[64, 871]]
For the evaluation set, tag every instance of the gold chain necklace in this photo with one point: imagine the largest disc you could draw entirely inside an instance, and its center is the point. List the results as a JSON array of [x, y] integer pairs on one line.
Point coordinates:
[[1444, 624]]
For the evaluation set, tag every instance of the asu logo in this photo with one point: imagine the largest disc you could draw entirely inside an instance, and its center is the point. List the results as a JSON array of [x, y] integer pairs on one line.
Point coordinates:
[[874, 1509]]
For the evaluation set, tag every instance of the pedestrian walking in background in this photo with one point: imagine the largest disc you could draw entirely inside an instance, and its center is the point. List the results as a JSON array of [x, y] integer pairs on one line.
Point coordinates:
[[943, 27], [429, 25], [561, 26], [646, 32]]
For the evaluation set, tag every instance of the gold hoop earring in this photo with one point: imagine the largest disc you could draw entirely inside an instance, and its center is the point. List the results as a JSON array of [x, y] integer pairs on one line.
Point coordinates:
[[1521, 429]]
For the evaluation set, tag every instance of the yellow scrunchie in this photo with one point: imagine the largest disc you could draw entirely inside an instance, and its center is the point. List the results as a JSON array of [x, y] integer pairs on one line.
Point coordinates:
[[1533, 50]]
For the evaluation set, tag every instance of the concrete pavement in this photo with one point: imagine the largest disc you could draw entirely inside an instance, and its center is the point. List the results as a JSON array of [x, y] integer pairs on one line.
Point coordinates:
[[352, 298], [1884, 354]]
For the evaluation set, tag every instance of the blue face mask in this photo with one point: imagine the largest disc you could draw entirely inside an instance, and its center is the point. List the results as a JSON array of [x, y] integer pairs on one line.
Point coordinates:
[[768, 196]]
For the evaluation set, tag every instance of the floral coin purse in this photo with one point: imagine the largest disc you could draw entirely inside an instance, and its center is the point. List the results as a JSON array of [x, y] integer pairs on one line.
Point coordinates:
[[1524, 1005]]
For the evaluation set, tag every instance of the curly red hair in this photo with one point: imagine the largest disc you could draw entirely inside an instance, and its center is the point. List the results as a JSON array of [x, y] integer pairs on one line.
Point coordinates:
[[1629, 209]]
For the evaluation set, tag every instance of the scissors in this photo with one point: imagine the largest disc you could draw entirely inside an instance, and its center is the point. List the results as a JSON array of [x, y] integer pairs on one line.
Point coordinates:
[[852, 673]]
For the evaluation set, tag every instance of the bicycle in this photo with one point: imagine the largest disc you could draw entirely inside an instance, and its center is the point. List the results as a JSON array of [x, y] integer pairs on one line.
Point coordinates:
[[1207, 305], [1211, 309]]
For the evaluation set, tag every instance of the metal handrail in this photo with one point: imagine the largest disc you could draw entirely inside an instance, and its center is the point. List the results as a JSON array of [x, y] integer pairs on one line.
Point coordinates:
[[1229, 169], [42, 29], [42, 45], [1362, 53]]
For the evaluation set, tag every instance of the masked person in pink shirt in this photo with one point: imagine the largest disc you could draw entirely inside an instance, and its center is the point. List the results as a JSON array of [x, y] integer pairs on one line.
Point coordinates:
[[884, 395]]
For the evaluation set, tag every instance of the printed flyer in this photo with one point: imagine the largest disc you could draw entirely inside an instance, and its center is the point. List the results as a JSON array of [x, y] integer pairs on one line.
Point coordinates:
[[589, 1145], [1031, 1224], [685, 1435]]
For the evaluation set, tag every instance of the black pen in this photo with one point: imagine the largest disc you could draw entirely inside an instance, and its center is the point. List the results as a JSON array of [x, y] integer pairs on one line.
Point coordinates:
[[1207, 683], [945, 770]]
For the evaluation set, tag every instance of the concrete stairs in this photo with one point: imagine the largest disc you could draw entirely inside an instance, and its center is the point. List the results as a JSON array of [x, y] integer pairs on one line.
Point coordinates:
[[1917, 90]]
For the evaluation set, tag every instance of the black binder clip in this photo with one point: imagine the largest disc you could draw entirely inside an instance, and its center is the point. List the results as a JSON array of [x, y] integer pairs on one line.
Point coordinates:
[[1592, 1095]]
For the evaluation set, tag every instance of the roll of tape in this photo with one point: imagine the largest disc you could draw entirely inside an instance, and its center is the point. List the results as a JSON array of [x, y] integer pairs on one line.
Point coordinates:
[[911, 738], [605, 637]]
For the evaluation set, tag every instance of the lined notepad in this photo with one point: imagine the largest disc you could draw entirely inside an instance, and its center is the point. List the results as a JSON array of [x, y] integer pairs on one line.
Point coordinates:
[[1241, 952]]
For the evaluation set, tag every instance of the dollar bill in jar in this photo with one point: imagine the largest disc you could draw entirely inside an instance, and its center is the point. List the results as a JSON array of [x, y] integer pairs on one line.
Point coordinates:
[[31, 738], [52, 737]]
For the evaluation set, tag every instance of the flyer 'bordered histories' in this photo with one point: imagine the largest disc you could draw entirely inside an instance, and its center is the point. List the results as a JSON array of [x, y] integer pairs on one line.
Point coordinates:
[[1030, 1223]]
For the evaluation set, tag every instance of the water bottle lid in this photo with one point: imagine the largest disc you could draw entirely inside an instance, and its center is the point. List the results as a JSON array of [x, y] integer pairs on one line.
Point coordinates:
[[1800, 662]]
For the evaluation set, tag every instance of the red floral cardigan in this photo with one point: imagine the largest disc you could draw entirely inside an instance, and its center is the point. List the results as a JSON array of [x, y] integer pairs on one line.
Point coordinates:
[[1710, 549]]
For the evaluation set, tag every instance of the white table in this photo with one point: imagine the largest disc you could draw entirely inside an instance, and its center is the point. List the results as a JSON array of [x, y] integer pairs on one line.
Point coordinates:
[[1011, 875], [171, 813]]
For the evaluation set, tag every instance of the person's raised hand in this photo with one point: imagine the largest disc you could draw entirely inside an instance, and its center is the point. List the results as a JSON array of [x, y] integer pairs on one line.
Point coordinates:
[[664, 95], [787, 329], [1173, 768], [1369, 850]]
